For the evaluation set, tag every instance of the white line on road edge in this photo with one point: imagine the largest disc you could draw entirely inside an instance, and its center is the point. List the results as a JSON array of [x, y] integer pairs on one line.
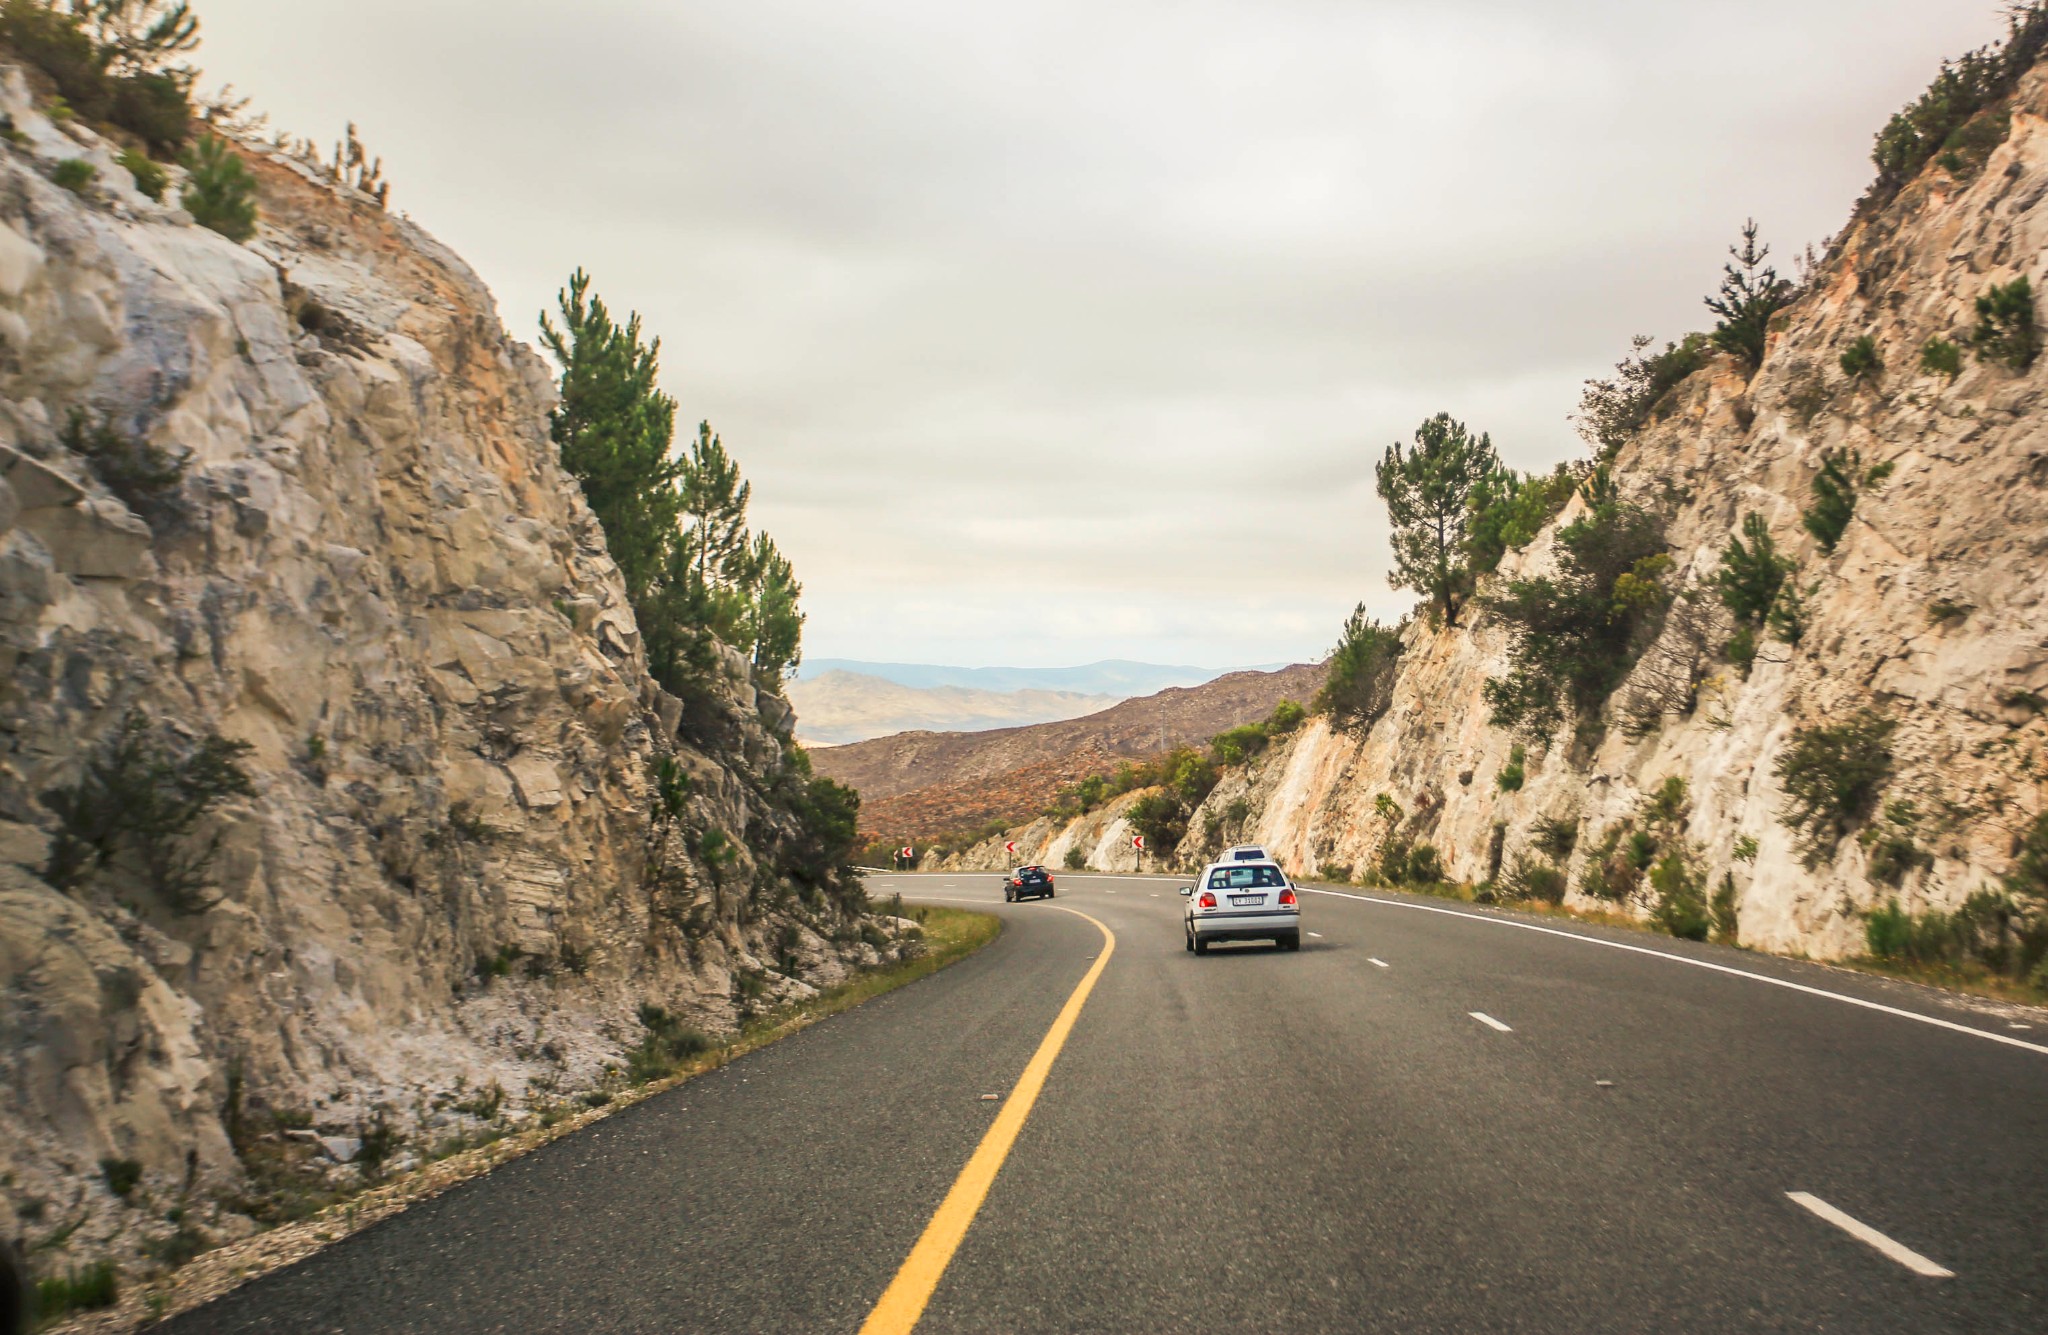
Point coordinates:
[[1489, 1021], [2006, 1039], [1370, 960], [1864, 1233]]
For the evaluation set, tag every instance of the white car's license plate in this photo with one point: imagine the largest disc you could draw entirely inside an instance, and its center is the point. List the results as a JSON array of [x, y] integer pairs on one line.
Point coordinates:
[[1247, 901]]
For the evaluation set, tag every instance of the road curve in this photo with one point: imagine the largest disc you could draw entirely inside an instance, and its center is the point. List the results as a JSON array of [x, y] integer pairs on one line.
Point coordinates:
[[1424, 1121]]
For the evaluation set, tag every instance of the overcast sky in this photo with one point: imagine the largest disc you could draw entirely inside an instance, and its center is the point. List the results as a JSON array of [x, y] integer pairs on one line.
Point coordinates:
[[1049, 331]]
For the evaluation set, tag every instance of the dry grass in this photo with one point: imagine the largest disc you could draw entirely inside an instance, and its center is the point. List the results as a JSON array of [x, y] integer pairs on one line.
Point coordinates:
[[949, 934]]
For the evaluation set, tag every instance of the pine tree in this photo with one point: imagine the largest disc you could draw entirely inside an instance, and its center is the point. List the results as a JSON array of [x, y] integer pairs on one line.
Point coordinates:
[[775, 624], [1750, 573], [1427, 490], [614, 429], [1751, 293], [714, 501]]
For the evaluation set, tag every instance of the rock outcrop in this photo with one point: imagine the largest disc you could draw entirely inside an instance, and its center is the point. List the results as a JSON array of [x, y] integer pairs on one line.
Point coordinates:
[[369, 570], [1932, 610]]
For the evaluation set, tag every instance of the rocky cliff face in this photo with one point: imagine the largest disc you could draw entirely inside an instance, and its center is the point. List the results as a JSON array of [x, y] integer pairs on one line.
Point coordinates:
[[1931, 609], [372, 572]]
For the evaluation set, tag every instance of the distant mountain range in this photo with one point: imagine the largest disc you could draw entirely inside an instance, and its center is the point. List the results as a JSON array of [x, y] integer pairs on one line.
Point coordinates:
[[925, 783], [1114, 676], [838, 706]]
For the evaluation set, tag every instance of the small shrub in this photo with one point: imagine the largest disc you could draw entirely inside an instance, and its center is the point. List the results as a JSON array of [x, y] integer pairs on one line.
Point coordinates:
[[1947, 609], [1681, 907], [1887, 932], [1832, 775], [1556, 836], [1860, 361], [1841, 481], [74, 174], [138, 804], [1724, 912], [140, 473], [220, 191], [1642, 850], [1529, 879], [1511, 774], [1892, 852], [497, 964], [2029, 875], [1612, 411], [1667, 804], [1609, 874], [1076, 858], [485, 1103], [380, 1144], [80, 1289], [1361, 673], [1741, 649], [1285, 718], [1940, 357], [1425, 866], [122, 1176], [1745, 849], [1751, 571], [2006, 331]]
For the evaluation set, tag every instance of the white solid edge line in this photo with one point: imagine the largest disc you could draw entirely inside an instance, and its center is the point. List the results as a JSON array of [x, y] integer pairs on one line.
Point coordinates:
[[2006, 1039], [1489, 1021], [1862, 1232]]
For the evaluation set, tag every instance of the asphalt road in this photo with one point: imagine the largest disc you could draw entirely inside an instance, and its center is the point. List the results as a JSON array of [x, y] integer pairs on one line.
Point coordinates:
[[1258, 1141]]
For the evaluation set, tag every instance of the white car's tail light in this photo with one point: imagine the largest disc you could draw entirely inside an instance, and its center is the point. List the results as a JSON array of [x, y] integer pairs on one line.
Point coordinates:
[[1287, 898]]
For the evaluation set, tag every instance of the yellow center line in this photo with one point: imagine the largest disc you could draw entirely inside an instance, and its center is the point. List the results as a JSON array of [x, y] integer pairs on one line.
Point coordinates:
[[903, 1302]]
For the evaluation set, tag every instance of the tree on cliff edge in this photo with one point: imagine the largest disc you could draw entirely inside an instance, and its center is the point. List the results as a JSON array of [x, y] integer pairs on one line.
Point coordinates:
[[1427, 490], [613, 429]]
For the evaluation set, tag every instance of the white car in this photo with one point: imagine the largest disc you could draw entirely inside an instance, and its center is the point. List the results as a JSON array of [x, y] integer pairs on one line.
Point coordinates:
[[1242, 900]]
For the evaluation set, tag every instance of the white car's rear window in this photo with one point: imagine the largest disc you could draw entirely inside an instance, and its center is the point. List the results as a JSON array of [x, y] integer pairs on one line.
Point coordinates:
[[1246, 878]]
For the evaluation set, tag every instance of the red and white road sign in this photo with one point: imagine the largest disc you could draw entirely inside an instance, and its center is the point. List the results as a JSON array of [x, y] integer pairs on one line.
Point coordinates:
[[1010, 847], [909, 853], [1138, 842]]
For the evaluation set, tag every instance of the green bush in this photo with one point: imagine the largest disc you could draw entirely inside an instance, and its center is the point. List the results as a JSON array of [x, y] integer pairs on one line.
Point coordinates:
[[1725, 913], [1750, 573], [2029, 875], [1511, 774], [1556, 836], [1362, 671], [79, 1289], [1612, 411], [1529, 879], [1940, 357], [122, 1176], [1861, 361], [1574, 636], [1832, 774], [150, 177], [1238, 744], [1425, 866], [1742, 649], [1681, 907], [220, 191], [1891, 849], [2006, 330], [1841, 481], [137, 805], [1076, 859], [667, 1043], [74, 174], [1509, 509], [1609, 873], [1939, 121], [111, 60], [1285, 718], [1751, 293], [140, 473]]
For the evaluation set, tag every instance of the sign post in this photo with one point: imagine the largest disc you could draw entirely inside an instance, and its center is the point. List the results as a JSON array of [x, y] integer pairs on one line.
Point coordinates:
[[1138, 842], [909, 856]]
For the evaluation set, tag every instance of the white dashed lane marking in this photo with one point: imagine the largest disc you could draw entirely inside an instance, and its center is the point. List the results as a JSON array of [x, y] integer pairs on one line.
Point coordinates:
[[1315, 934], [1370, 960], [1864, 1233], [1489, 1021]]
